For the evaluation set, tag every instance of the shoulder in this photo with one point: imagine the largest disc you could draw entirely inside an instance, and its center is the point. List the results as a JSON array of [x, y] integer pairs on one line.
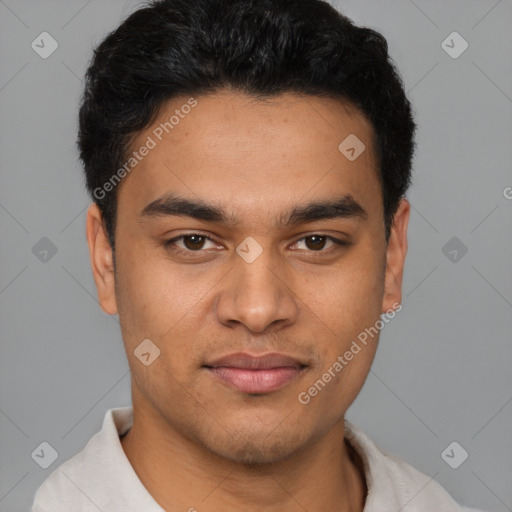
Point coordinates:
[[419, 492], [393, 484], [81, 481], [60, 493], [100, 477]]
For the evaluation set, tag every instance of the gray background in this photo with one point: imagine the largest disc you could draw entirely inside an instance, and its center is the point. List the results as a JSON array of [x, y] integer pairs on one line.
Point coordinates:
[[442, 371]]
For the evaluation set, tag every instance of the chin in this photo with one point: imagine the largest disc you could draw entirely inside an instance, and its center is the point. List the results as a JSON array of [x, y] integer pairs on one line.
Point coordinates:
[[257, 449], [254, 454]]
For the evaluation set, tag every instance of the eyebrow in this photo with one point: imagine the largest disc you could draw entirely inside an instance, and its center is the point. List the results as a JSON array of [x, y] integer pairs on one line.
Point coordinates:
[[174, 205]]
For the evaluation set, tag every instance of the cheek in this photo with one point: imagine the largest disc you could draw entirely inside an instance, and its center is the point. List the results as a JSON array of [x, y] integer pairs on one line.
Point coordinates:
[[343, 310], [347, 298], [166, 304], [151, 294]]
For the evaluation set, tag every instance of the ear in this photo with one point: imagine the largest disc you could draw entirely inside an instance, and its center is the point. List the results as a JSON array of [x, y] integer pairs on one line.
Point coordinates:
[[101, 257], [395, 257]]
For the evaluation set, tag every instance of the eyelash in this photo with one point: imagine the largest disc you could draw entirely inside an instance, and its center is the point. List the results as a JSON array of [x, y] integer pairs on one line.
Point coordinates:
[[168, 243]]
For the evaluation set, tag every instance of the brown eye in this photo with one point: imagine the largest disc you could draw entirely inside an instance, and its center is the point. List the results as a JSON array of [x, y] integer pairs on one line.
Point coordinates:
[[317, 242], [193, 242]]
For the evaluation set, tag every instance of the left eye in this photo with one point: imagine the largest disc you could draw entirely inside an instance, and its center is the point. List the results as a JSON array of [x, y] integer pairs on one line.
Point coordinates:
[[317, 242]]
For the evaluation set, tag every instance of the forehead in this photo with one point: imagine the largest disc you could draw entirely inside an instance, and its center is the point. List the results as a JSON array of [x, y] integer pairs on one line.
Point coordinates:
[[254, 154]]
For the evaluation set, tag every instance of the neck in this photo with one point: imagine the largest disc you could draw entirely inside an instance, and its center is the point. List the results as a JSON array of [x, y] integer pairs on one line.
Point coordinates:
[[181, 475]]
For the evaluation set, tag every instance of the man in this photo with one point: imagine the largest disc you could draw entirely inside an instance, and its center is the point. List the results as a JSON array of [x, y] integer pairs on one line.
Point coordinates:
[[248, 162]]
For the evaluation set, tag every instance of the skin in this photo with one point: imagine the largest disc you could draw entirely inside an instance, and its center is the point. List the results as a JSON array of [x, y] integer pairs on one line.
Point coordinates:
[[196, 442]]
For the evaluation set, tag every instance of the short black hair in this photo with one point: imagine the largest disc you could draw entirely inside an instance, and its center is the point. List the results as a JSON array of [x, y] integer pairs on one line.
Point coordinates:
[[264, 48]]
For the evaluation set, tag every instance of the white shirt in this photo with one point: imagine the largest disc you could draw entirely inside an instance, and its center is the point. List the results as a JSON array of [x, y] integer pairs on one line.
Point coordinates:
[[101, 478]]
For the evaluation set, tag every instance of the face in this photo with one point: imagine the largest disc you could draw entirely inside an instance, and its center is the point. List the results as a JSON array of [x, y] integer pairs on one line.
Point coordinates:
[[276, 245]]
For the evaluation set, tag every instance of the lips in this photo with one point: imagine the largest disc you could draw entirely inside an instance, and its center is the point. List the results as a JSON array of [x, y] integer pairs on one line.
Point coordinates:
[[256, 374]]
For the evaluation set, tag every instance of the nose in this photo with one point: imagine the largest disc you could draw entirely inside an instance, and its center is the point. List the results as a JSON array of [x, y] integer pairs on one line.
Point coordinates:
[[257, 293]]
